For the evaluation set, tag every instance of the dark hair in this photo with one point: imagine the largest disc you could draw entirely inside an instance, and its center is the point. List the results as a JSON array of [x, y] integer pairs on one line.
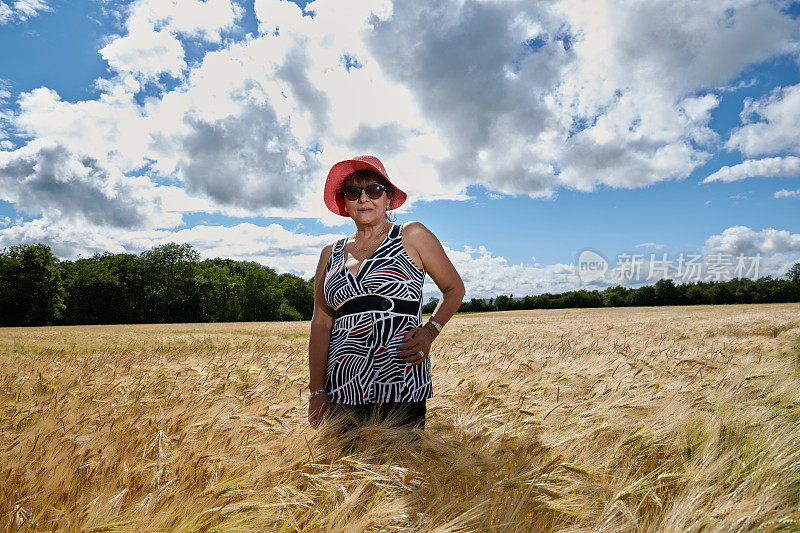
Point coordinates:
[[361, 176]]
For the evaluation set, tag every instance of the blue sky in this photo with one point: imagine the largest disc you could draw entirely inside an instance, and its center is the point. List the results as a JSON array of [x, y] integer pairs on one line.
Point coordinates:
[[524, 134]]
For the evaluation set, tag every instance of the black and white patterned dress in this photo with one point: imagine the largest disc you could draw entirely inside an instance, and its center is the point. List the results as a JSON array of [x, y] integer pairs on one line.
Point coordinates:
[[363, 366]]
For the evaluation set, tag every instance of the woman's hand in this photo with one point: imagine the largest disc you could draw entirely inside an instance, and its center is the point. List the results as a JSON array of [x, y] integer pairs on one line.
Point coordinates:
[[414, 341], [318, 407]]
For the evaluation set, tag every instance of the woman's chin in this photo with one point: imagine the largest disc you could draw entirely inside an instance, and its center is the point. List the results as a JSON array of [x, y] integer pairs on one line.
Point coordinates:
[[366, 217]]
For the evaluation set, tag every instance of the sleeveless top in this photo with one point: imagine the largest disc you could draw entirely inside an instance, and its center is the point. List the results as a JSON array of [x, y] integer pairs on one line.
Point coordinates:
[[363, 366]]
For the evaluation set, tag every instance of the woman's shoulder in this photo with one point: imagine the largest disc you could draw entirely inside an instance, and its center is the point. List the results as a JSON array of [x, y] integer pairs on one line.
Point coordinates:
[[416, 231], [333, 247], [327, 250]]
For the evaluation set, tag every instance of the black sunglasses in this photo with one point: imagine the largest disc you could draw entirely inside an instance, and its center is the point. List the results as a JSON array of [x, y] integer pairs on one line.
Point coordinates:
[[373, 190]]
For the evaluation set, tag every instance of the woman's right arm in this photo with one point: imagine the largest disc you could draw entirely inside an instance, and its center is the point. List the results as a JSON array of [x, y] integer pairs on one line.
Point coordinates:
[[318, 343]]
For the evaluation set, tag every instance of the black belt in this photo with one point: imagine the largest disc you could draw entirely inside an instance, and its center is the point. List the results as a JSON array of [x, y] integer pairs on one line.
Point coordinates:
[[375, 302]]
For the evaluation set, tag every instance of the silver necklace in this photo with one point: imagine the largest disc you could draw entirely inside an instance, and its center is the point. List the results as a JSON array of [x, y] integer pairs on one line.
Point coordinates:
[[373, 242]]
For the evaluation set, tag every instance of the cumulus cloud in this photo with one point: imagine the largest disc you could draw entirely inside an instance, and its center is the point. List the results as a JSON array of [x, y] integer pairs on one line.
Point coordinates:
[[723, 257], [743, 240], [250, 160], [272, 245], [769, 167], [520, 97], [39, 178], [21, 10], [771, 124], [146, 52], [152, 47], [531, 96], [200, 19], [111, 129], [279, 16], [48, 179], [487, 275], [784, 193]]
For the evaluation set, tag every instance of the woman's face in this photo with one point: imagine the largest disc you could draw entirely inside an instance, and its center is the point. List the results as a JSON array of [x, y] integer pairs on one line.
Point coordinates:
[[365, 210]]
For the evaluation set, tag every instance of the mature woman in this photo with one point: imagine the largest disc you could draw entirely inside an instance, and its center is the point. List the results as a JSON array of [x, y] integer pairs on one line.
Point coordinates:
[[369, 351]]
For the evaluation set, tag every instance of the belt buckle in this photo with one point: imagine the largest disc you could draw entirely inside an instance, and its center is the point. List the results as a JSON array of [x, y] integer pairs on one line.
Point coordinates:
[[385, 304]]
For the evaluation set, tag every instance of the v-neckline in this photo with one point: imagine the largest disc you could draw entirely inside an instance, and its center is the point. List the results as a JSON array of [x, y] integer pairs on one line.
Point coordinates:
[[361, 263]]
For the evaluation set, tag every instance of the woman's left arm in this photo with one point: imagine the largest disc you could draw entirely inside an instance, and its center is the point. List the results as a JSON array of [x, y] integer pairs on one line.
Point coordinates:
[[436, 263]]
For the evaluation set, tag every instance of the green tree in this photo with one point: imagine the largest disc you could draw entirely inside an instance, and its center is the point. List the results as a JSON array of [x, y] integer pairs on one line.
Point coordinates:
[[219, 297], [794, 273], [260, 295], [721, 294], [31, 287], [642, 296], [299, 294], [172, 283], [502, 302], [614, 296], [92, 292], [695, 294], [666, 292]]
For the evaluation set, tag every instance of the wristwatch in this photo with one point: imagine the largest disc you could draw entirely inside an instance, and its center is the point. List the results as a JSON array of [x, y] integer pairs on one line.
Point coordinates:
[[436, 325]]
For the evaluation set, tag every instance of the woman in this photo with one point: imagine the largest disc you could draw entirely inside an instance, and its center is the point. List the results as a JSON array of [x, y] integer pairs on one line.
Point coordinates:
[[368, 350]]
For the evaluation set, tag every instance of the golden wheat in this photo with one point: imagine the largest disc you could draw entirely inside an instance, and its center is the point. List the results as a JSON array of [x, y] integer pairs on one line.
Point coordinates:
[[645, 419]]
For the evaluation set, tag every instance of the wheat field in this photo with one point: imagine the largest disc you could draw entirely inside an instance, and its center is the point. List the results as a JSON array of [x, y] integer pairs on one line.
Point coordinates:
[[615, 419]]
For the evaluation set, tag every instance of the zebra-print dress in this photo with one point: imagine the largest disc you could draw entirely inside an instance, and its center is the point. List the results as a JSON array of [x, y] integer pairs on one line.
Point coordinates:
[[363, 366]]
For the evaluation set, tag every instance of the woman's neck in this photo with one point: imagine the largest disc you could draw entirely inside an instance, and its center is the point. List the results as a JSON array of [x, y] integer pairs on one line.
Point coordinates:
[[368, 232]]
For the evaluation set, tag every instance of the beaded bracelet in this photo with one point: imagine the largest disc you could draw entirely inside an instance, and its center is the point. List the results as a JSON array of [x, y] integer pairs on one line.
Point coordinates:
[[320, 391]]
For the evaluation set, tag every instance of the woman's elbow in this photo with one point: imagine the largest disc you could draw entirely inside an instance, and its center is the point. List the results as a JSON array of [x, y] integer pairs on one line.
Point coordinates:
[[457, 289], [322, 322]]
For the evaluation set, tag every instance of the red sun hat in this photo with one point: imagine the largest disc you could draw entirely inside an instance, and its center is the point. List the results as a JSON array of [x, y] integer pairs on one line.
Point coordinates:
[[334, 199]]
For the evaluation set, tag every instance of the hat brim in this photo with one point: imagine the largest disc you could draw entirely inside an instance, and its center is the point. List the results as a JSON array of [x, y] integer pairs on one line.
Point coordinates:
[[337, 175]]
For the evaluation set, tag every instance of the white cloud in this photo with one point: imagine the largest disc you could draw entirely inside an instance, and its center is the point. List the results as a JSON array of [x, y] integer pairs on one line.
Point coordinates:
[[201, 19], [21, 10], [784, 193], [111, 129], [770, 167], [44, 178], [652, 245], [146, 52], [282, 15], [448, 95], [272, 245], [771, 124], [741, 85], [39, 177], [487, 275], [743, 240], [522, 97], [603, 99], [152, 47]]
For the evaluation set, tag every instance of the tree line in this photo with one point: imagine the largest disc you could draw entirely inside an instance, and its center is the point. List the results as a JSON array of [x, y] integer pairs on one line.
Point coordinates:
[[170, 283], [664, 292], [167, 283]]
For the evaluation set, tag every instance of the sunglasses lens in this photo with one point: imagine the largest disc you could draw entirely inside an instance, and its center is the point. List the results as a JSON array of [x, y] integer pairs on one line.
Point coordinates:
[[352, 192], [374, 190]]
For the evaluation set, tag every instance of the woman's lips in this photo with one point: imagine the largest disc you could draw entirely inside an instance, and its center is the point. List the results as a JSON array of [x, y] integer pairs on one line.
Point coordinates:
[[366, 209]]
